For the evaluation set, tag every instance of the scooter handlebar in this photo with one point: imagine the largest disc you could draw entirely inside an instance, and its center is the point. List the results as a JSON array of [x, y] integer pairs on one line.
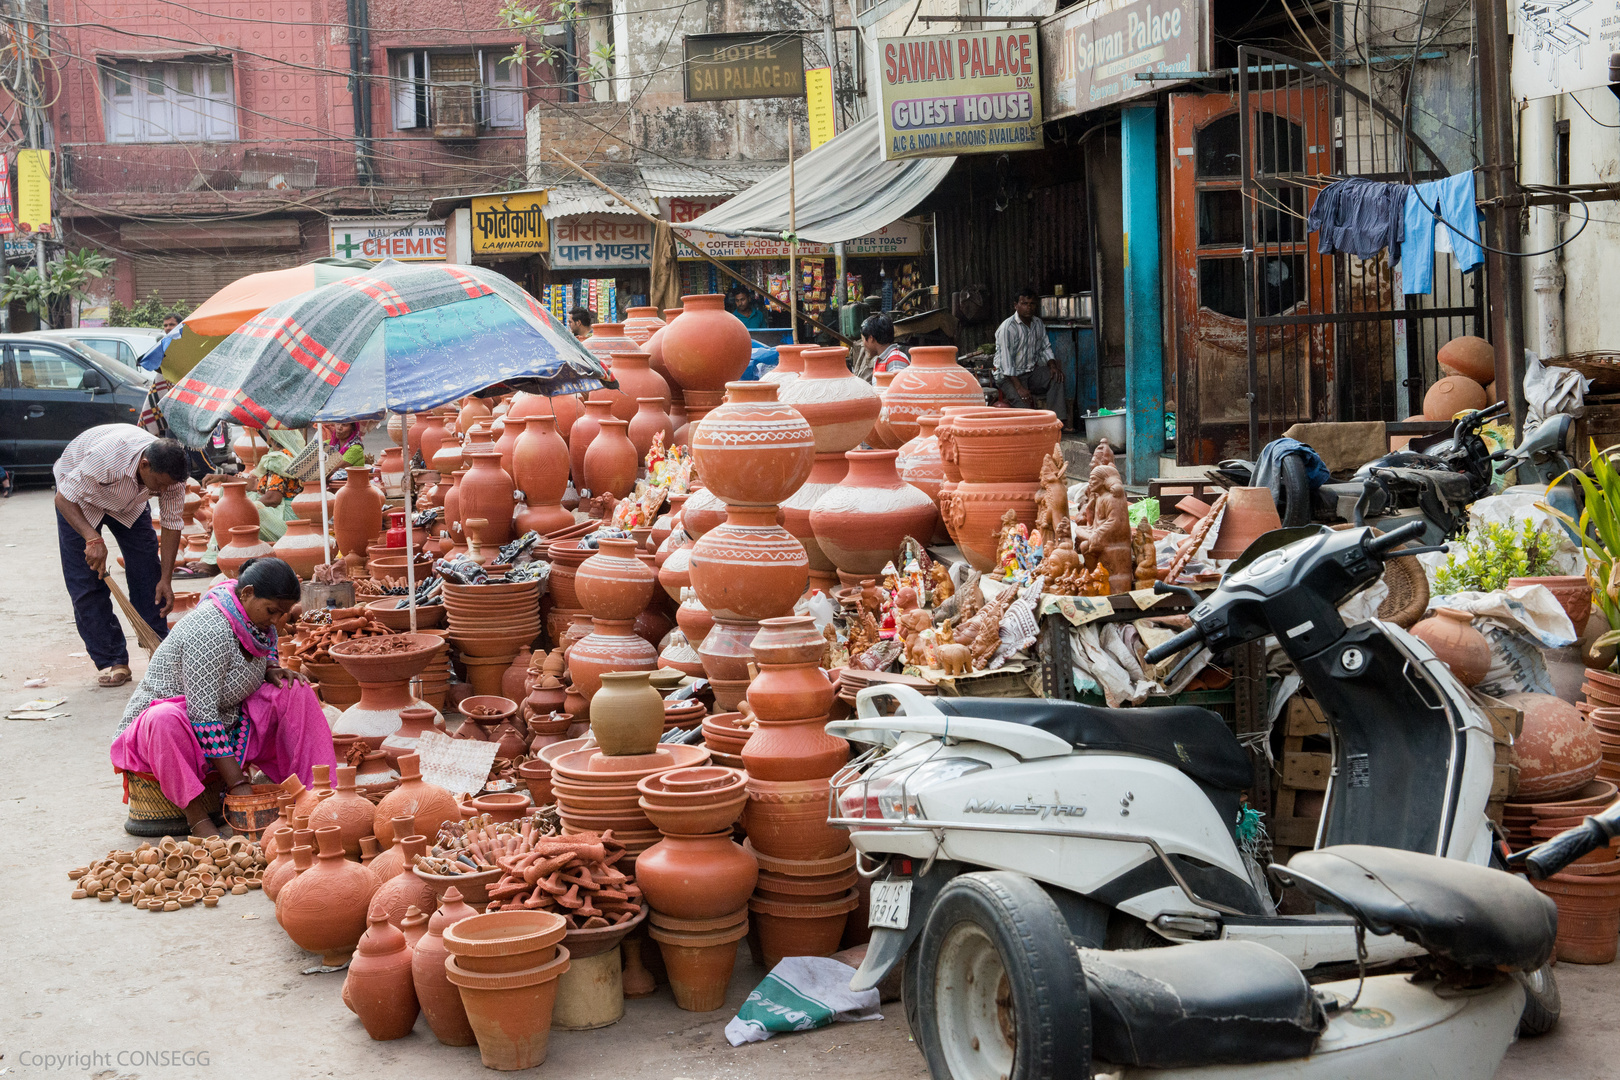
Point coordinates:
[[1379, 546], [1190, 636], [1549, 857]]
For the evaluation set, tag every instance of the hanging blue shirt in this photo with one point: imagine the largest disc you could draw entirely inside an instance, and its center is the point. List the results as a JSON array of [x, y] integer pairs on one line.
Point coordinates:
[[1453, 197]]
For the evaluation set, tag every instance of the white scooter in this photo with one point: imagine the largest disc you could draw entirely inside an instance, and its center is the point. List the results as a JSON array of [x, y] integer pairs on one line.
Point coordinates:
[[1127, 818]]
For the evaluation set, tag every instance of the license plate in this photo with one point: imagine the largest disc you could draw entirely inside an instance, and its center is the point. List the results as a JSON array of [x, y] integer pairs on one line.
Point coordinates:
[[891, 905]]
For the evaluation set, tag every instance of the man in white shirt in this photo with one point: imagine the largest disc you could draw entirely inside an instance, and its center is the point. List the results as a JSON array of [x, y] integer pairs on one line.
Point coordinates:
[[1025, 366]]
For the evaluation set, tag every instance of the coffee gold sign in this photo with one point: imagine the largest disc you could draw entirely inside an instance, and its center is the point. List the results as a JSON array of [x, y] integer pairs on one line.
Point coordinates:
[[734, 67], [510, 224]]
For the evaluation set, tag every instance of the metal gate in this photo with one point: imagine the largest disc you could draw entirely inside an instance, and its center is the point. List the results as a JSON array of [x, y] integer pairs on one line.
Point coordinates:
[[1355, 346]]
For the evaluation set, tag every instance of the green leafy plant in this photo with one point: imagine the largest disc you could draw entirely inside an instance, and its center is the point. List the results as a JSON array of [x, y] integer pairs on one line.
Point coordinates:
[[534, 22], [1599, 533], [149, 312], [68, 278], [1492, 554]]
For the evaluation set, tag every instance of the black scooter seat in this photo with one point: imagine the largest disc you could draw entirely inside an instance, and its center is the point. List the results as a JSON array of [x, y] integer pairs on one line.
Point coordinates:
[[1194, 740]]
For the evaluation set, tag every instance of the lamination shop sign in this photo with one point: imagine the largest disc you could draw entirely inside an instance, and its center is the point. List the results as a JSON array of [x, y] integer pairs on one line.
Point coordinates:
[[510, 224], [970, 93], [1093, 52]]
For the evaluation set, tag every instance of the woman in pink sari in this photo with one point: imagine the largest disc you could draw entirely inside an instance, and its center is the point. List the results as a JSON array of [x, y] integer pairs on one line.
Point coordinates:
[[216, 701]]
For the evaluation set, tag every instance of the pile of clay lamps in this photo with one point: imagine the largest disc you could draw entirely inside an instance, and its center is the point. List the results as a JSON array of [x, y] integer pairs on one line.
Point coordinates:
[[173, 874]]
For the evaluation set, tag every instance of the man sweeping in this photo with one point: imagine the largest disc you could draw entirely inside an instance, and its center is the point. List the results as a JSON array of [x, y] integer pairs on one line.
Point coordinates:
[[107, 476]]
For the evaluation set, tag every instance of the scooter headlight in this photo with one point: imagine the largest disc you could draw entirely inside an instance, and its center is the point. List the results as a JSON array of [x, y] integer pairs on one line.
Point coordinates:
[[892, 796]]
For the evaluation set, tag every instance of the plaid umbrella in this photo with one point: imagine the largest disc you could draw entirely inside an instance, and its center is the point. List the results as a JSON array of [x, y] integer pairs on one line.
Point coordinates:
[[400, 338]]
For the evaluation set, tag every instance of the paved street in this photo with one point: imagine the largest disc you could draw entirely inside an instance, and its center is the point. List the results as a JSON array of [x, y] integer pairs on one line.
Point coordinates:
[[85, 977]]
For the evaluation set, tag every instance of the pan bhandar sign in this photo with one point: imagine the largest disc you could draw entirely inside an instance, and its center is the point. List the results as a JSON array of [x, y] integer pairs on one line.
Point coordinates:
[[509, 224], [733, 67], [960, 94]]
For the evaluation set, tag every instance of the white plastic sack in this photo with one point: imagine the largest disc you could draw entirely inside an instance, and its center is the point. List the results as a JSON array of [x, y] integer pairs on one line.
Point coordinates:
[[1550, 391], [801, 993]]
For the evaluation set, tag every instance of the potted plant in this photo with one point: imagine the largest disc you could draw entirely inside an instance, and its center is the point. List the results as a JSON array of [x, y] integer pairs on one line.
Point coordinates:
[[1599, 533]]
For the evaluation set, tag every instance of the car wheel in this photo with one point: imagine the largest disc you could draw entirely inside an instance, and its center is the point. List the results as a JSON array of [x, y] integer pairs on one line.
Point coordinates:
[[1000, 994]]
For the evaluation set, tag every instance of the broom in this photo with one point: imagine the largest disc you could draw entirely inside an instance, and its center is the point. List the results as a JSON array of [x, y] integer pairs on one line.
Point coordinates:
[[144, 634]]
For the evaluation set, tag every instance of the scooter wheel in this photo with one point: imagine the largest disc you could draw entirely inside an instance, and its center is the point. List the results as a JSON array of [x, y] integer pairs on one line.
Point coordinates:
[[1001, 994], [1542, 1003]]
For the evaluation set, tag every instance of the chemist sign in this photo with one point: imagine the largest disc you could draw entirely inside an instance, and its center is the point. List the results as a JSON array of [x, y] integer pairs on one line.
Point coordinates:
[[1094, 51], [378, 238], [969, 93]]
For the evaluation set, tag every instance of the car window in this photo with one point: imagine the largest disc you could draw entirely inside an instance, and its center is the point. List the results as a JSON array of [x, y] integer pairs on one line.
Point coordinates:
[[122, 372], [117, 348], [46, 369]]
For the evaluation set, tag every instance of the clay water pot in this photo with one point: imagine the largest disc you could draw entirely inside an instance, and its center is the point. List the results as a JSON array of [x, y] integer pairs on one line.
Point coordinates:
[[706, 347], [791, 691], [694, 619], [405, 890], [473, 409], [840, 407], [933, 381], [1450, 634], [614, 583], [791, 639], [439, 999], [427, 435], [305, 799], [1007, 447], [506, 436], [828, 471], [486, 492], [248, 449], [301, 547], [699, 964], [654, 348], [789, 364], [792, 750], [244, 545], [702, 512], [861, 522], [696, 877], [351, 812], [789, 929], [357, 511], [233, 509], [606, 339], [972, 514], [323, 909], [627, 714], [378, 986], [650, 420], [510, 1013], [429, 805], [611, 461], [726, 648], [391, 469], [1452, 395], [1558, 748], [413, 926], [749, 568], [641, 323], [515, 679], [612, 646], [414, 721], [1573, 592], [675, 576], [788, 819], [1469, 356], [512, 939], [636, 378], [388, 863], [281, 869], [1250, 512], [585, 430], [753, 450], [540, 462]]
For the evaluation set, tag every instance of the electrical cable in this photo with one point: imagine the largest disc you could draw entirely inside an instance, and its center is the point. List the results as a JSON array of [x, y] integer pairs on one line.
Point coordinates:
[[1588, 112], [1435, 211]]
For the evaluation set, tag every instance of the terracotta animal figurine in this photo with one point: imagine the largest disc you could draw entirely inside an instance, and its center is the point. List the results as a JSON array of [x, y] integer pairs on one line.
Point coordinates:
[[1052, 502], [943, 590]]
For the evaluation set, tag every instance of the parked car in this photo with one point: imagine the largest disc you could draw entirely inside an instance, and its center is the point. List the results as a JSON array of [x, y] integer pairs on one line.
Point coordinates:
[[126, 344], [52, 389]]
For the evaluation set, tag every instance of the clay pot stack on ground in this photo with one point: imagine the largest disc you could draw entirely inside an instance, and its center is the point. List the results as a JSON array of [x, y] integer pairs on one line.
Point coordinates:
[[991, 459], [597, 791], [489, 624], [615, 587], [506, 965], [313, 638], [383, 667]]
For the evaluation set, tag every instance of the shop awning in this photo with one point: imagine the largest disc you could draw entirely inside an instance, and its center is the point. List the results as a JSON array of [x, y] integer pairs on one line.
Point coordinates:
[[844, 189]]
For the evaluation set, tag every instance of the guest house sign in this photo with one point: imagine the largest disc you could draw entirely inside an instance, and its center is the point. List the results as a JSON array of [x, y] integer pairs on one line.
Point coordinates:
[[1093, 52], [970, 93]]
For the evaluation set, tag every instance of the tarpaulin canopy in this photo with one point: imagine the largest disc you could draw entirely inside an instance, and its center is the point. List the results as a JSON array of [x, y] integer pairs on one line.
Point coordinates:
[[844, 189]]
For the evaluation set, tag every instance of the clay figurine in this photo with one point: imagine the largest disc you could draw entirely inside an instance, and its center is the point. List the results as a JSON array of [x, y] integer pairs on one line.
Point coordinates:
[[1107, 541], [943, 589], [1146, 556], [953, 659], [1052, 501]]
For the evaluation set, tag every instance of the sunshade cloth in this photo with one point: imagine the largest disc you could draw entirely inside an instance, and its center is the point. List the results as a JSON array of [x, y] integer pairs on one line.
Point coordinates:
[[335, 353], [844, 189]]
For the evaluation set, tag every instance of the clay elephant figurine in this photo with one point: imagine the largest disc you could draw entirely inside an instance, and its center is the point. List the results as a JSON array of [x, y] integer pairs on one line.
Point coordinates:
[[955, 659]]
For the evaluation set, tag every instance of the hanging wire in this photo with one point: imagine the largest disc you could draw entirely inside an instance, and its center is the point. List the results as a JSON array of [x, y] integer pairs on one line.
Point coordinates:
[[1435, 211], [1588, 113]]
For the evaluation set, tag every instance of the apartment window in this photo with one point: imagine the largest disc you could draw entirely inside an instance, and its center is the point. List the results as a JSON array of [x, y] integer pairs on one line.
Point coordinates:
[[456, 93], [181, 102]]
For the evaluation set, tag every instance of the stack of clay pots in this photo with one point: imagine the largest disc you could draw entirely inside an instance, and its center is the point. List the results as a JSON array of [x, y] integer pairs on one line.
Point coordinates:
[[506, 965], [562, 548], [489, 624], [697, 880], [1469, 383], [803, 906], [920, 465], [384, 678], [753, 452], [991, 459], [933, 381], [614, 586]]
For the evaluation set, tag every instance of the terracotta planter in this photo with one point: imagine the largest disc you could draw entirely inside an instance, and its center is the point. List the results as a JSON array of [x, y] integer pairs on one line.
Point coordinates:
[[538, 779], [1588, 915], [1450, 634], [429, 805], [839, 407], [1007, 447], [1573, 592], [504, 941], [439, 999], [650, 420], [244, 545], [486, 492], [706, 347], [699, 964], [750, 567], [787, 929], [641, 323], [933, 381], [584, 432], [378, 986], [351, 812], [1558, 749], [302, 547], [233, 509], [696, 877], [788, 819], [357, 512], [611, 462], [1452, 395], [324, 908], [614, 583], [612, 646], [753, 450], [973, 513], [1250, 513], [861, 522], [510, 1014]]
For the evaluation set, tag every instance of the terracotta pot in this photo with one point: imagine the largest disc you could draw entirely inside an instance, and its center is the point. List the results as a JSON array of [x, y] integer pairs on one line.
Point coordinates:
[[414, 721], [388, 863], [514, 680], [323, 909], [627, 715], [675, 576], [973, 513], [580, 627], [244, 545], [749, 568], [232, 509], [696, 877], [839, 407], [641, 323], [654, 348], [1452, 395], [800, 929], [1468, 356], [440, 1001], [384, 684], [429, 805], [650, 420], [503, 941], [753, 450], [633, 371], [920, 462], [933, 381], [702, 512], [406, 889], [827, 472], [883, 437], [473, 409], [391, 469], [789, 364], [1558, 749], [1450, 634], [792, 639], [612, 646], [503, 806], [510, 1014], [506, 441], [1573, 592], [351, 812], [486, 492], [614, 583], [694, 619], [788, 819], [861, 522], [611, 462], [301, 547], [693, 820], [789, 750], [699, 964], [790, 691], [725, 650], [1250, 513], [357, 511], [584, 432], [1008, 447], [378, 986], [427, 435], [606, 339], [249, 449], [707, 347], [538, 778], [1588, 915]]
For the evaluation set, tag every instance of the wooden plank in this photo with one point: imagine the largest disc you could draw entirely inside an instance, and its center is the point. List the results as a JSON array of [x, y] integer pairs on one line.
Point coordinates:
[[1504, 781], [1304, 717], [1298, 832], [1307, 771]]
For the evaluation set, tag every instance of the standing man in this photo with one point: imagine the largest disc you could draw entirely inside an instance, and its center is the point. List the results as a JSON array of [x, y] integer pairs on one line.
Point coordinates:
[[579, 322], [107, 476], [170, 322], [1025, 365]]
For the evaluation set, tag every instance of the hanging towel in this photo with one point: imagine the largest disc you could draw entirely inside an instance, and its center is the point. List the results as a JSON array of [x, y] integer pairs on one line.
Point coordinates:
[[1453, 199], [1361, 217]]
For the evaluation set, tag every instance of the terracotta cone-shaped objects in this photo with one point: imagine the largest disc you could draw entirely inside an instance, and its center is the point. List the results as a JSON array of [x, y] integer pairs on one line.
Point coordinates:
[[1249, 513], [358, 511], [584, 433], [350, 811], [753, 450], [378, 986], [650, 421], [861, 522], [428, 804], [440, 1001], [611, 462], [933, 381], [324, 908], [840, 407], [405, 890], [707, 346]]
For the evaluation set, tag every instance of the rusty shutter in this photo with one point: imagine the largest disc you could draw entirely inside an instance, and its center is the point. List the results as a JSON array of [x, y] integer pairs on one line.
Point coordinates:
[[196, 277]]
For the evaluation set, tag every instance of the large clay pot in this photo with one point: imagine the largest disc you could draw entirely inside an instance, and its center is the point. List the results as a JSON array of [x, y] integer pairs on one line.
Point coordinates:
[[922, 465], [440, 1001], [510, 1012], [244, 545], [506, 441], [540, 461], [486, 492], [838, 406], [1572, 591], [350, 811], [794, 749], [788, 819], [585, 429], [567, 408], [427, 435], [428, 804], [933, 381], [384, 683], [654, 348], [233, 509], [1468, 356], [702, 512], [641, 323], [610, 461], [861, 522], [612, 646], [378, 986], [1250, 512], [650, 421], [1588, 915], [396, 896], [1559, 750], [973, 513], [1009, 447], [627, 714], [696, 877], [1452, 395], [882, 437], [789, 364], [248, 449], [473, 409], [633, 371], [324, 908], [707, 347], [606, 339], [302, 547], [358, 512], [614, 583], [1450, 634], [827, 472], [753, 450], [749, 568], [391, 469]]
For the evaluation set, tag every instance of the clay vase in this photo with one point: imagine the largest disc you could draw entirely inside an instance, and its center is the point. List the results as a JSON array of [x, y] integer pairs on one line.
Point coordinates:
[[282, 869], [627, 714], [789, 365], [1558, 749], [696, 877], [427, 435], [611, 462], [540, 462], [786, 750], [345, 808], [749, 568], [1573, 593], [703, 511], [933, 381], [440, 1001], [584, 433], [324, 908], [921, 464], [391, 469], [429, 804], [473, 409], [882, 438], [245, 544], [233, 509], [827, 472], [413, 723], [301, 547], [614, 583], [637, 380], [707, 347], [486, 492], [378, 986], [392, 861], [612, 646], [1451, 636], [861, 522], [1003, 445], [753, 450], [840, 407], [1452, 395], [1468, 356], [650, 421], [404, 890], [515, 679], [1250, 512], [606, 339], [357, 512], [641, 323]]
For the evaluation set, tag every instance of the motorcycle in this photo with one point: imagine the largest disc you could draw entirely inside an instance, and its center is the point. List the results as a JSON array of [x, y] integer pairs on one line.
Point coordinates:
[[1128, 819]]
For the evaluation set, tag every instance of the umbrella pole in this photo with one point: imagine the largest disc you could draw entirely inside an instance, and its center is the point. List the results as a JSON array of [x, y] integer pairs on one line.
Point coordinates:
[[410, 555], [326, 528]]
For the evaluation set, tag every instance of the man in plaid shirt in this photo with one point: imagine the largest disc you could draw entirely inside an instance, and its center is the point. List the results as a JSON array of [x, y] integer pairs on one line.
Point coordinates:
[[107, 476]]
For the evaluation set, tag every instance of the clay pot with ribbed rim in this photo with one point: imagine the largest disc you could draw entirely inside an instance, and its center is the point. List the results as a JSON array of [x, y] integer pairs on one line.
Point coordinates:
[[233, 509], [801, 749], [789, 364], [584, 432], [611, 462], [1572, 591], [378, 986], [1250, 512], [641, 323], [302, 547], [696, 877], [828, 471], [1009, 447], [244, 545], [1451, 636], [933, 381], [357, 512], [612, 646], [787, 819], [429, 804], [441, 1001], [323, 909], [706, 347], [627, 714], [840, 407], [650, 421], [750, 567], [922, 465], [614, 583], [486, 492], [753, 450], [606, 339], [861, 522], [973, 513], [351, 812], [699, 962]]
